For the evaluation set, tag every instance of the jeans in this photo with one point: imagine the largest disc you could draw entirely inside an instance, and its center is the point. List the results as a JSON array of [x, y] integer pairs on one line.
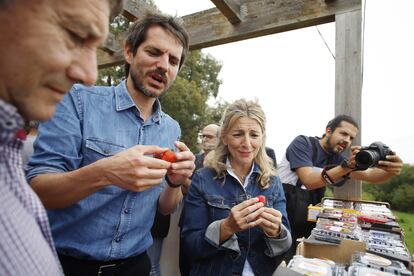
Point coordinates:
[[154, 253]]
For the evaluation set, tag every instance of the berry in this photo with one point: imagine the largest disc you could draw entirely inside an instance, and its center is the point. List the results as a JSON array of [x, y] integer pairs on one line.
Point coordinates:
[[262, 199]]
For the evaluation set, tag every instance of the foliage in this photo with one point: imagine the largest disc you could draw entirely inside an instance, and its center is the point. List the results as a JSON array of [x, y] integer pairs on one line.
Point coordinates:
[[398, 191], [406, 221], [186, 100]]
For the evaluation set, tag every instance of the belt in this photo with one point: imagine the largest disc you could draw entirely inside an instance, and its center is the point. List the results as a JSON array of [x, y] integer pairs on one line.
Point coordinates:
[[76, 266]]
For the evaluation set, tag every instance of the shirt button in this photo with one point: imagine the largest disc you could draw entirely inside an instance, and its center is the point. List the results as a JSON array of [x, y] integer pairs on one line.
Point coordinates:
[[118, 239], [126, 211]]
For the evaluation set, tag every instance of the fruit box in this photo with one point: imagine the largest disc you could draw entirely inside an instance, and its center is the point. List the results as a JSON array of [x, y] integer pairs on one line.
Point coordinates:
[[339, 253]]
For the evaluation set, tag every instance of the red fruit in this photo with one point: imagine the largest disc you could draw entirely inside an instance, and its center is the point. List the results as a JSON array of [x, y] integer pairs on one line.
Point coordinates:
[[262, 199], [168, 156]]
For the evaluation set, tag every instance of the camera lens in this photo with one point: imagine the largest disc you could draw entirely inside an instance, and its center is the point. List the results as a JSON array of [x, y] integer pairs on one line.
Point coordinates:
[[367, 158]]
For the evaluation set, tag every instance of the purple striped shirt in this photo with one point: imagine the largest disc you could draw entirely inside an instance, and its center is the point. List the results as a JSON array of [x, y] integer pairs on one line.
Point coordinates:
[[26, 244]]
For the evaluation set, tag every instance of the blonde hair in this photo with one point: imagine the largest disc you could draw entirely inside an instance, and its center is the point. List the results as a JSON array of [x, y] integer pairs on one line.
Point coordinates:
[[243, 108]]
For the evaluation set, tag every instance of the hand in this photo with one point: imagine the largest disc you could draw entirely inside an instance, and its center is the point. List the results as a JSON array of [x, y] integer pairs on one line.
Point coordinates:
[[243, 216], [393, 165], [135, 169], [351, 161], [270, 221], [181, 170]]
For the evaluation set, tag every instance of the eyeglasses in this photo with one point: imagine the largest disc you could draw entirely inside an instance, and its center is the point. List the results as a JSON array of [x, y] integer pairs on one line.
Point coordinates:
[[206, 136]]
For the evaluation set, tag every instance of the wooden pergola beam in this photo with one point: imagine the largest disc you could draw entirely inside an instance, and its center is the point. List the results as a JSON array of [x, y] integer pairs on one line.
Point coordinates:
[[230, 9], [134, 9], [260, 17]]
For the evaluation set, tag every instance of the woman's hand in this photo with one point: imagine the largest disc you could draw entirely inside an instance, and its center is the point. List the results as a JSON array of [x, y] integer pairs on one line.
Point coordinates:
[[270, 221], [242, 216]]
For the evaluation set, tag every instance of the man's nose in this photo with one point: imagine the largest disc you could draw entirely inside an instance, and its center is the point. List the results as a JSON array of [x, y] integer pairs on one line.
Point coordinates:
[[84, 67], [163, 62]]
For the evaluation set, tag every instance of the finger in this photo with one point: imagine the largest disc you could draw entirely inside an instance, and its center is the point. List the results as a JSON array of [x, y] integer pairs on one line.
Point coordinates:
[[246, 204], [150, 173], [355, 148], [253, 223], [394, 158], [184, 174], [181, 146], [155, 163], [183, 165], [272, 212], [184, 156], [254, 213], [271, 218], [149, 149]]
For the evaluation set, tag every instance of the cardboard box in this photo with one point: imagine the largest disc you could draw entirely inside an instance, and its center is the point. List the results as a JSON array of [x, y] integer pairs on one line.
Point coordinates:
[[339, 253], [313, 212]]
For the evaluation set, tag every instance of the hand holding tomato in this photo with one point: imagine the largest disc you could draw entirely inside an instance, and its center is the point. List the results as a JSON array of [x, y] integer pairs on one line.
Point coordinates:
[[182, 163], [168, 156]]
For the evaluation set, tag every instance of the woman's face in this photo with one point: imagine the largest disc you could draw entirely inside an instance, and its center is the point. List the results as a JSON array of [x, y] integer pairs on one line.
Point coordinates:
[[243, 140]]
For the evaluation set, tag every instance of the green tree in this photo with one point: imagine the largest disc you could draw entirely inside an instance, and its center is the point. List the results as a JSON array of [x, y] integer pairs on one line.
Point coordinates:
[[186, 100], [398, 190]]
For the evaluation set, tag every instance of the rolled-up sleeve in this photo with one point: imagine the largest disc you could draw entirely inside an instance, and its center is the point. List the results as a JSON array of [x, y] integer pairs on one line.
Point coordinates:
[[279, 245], [58, 145], [213, 236]]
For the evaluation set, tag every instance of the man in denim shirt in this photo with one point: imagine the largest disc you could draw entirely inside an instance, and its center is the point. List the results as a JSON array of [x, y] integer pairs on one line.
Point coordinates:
[[93, 165]]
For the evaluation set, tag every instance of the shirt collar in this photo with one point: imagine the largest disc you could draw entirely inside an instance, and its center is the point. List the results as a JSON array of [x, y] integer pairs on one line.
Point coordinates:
[[124, 101], [253, 169], [10, 122]]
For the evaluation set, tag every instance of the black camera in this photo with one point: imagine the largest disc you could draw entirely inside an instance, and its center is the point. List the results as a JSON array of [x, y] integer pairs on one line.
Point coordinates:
[[369, 156]]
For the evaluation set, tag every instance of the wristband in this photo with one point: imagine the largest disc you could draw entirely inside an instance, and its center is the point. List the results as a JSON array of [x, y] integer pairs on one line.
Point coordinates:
[[172, 185], [326, 178]]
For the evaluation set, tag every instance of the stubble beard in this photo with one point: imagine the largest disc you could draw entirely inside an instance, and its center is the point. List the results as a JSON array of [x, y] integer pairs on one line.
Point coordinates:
[[331, 148], [138, 86]]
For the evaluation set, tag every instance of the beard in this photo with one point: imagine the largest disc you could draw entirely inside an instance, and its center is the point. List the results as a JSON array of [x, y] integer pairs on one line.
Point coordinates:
[[332, 147], [140, 87]]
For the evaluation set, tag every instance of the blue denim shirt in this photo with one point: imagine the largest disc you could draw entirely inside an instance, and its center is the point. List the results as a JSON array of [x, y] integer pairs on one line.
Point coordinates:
[[89, 124], [207, 203]]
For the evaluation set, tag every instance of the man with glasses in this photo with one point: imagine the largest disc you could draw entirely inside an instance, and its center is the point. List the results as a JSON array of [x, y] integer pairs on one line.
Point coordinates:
[[209, 138]]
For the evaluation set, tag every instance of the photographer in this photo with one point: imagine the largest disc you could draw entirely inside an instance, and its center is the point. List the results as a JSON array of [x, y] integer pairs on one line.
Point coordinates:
[[311, 163]]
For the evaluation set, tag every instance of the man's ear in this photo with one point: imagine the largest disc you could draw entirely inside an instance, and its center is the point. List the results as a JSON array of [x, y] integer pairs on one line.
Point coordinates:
[[328, 131], [128, 53]]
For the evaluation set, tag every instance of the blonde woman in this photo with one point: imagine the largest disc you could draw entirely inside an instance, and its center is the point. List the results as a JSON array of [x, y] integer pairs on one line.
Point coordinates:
[[226, 229]]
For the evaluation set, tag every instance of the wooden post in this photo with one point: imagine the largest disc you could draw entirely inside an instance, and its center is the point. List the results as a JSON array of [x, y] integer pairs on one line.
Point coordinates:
[[348, 82]]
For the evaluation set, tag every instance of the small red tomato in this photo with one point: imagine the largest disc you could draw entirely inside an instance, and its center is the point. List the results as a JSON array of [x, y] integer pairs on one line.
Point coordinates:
[[262, 199], [168, 156]]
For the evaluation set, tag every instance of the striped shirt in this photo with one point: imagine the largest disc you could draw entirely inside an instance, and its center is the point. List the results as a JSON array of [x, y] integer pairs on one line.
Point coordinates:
[[26, 244]]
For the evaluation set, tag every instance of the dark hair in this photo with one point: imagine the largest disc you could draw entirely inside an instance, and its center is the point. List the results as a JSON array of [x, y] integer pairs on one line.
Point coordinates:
[[138, 31], [335, 122]]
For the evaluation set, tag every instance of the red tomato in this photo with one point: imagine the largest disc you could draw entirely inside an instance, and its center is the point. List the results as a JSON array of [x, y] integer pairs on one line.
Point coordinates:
[[168, 156], [262, 199]]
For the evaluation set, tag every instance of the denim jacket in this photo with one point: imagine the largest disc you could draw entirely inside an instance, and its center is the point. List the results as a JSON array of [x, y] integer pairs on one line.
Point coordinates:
[[208, 202], [92, 123]]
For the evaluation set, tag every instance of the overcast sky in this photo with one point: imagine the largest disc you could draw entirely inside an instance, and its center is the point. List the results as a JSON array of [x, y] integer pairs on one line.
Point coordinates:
[[292, 74]]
